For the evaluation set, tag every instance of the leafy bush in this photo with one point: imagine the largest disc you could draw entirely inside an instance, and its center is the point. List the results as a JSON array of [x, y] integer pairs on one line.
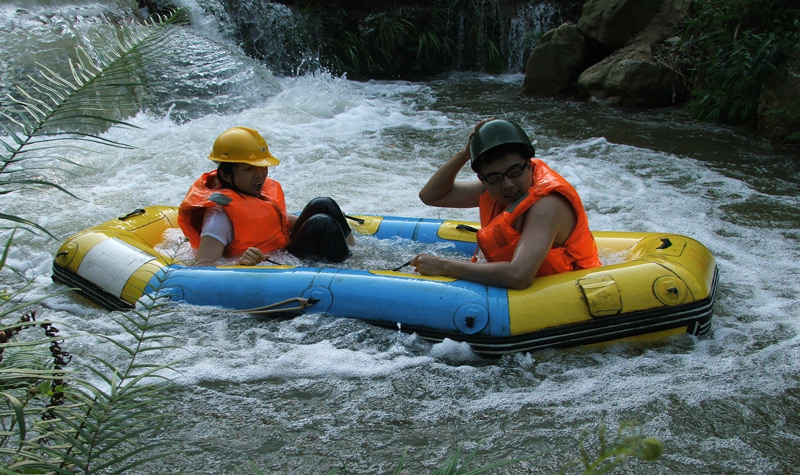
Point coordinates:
[[729, 48], [75, 109], [55, 420]]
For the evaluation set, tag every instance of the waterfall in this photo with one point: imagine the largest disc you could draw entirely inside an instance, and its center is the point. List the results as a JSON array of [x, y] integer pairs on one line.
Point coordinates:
[[244, 44], [531, 22], [486, 35], [281, 37]]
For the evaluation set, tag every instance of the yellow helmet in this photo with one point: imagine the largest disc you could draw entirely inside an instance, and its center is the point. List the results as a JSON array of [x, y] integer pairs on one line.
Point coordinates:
[[242, 145]]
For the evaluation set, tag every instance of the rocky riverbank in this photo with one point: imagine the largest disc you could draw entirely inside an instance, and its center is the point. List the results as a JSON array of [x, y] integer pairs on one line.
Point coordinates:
[[622, 53]]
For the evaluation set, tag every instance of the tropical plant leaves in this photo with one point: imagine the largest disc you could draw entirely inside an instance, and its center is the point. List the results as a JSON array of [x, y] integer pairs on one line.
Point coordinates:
[[730, 48], [105, 419], [70, 111], [52, 420], [408, 43]]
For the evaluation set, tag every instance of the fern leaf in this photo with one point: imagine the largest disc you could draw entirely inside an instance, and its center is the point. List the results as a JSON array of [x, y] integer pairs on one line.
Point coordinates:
[[55, 111]]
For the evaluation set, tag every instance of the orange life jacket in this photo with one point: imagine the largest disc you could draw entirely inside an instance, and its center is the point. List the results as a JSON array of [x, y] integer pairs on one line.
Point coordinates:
[[498, 237], [257, 222]]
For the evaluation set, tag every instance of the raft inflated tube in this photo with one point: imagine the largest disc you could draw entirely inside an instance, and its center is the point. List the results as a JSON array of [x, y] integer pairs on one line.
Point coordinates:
[[458, 307], [112, 263], [664, 284], [457, 233]]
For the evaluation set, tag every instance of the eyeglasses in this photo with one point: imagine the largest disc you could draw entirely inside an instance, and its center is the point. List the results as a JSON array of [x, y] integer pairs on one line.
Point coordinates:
[[512, 172]]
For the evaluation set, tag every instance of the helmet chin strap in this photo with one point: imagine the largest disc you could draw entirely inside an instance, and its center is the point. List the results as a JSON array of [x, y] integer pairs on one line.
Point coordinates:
[[229, 181]]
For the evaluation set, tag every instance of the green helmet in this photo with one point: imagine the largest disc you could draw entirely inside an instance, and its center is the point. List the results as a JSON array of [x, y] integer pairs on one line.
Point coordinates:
[[495, 133]]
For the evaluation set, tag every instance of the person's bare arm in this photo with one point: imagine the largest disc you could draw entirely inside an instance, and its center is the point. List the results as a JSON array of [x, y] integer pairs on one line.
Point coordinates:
[[443, 191], [208, 252], [550, 220]]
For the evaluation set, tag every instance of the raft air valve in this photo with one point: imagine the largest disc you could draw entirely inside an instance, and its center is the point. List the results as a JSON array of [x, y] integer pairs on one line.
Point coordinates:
[[471, 318]]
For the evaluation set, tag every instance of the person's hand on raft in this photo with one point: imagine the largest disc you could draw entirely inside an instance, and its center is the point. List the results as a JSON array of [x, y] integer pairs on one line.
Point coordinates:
[[426, 264], [251, 257]]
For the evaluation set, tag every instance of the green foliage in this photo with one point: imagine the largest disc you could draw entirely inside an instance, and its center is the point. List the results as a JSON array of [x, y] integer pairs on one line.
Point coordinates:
[[385, 44], [608, 455], [99, 417], [57, 111], [729, 48], [55, 420]]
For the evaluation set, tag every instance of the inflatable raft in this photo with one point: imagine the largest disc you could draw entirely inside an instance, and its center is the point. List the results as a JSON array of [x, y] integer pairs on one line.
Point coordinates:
[[663, 284]]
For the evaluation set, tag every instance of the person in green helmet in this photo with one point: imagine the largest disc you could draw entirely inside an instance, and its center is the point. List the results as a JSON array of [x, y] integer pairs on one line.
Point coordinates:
[[533, 222], [237, 211]]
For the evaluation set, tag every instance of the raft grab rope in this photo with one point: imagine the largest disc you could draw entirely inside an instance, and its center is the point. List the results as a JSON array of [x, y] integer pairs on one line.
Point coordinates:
[[302, 304], [133, 213]]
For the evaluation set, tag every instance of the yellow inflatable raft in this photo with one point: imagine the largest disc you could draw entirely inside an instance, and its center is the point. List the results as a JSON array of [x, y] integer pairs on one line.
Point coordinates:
[[659, 284]]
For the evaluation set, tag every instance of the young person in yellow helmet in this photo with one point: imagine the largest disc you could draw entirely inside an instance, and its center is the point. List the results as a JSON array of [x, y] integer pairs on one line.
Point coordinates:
[[532, 220], [238, 211]]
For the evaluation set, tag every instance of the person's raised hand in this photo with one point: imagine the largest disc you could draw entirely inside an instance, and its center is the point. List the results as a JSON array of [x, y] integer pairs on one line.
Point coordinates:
[[472, 132]]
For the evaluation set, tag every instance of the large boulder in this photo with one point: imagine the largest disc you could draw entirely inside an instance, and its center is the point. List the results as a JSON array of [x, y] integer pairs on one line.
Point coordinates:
[[628, 75], [614, 22], [632, 76], [779, 103], [555, 63], [627, 81]]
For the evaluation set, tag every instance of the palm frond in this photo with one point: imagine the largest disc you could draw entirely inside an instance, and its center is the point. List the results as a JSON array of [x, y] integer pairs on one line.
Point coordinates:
[[58, 111], [53, 419], [107, 421]]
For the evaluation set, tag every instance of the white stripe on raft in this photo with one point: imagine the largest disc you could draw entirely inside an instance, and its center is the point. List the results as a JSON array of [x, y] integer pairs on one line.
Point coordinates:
[[126, 259]]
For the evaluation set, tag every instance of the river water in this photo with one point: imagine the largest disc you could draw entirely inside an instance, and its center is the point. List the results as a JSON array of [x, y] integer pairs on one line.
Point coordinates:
[[312, 393]]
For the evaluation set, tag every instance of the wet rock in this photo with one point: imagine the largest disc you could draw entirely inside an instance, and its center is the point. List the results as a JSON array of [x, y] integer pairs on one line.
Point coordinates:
[[619, 64], [626, 82], [614, 22], [554, 64]]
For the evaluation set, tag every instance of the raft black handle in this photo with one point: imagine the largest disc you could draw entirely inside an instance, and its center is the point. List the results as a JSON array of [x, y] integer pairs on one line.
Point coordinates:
[[353, 218], [133, 213], [466, 227], [408, 263], [665, 243]]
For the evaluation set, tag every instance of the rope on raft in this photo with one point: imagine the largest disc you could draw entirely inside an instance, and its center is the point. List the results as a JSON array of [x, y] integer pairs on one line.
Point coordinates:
[[271, 308]]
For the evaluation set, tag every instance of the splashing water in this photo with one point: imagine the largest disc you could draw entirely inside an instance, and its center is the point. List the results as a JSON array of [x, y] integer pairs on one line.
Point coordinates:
[[310, 393]]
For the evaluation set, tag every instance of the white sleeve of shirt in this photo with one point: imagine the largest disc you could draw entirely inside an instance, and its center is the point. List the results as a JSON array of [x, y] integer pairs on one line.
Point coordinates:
[[217, 224]]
